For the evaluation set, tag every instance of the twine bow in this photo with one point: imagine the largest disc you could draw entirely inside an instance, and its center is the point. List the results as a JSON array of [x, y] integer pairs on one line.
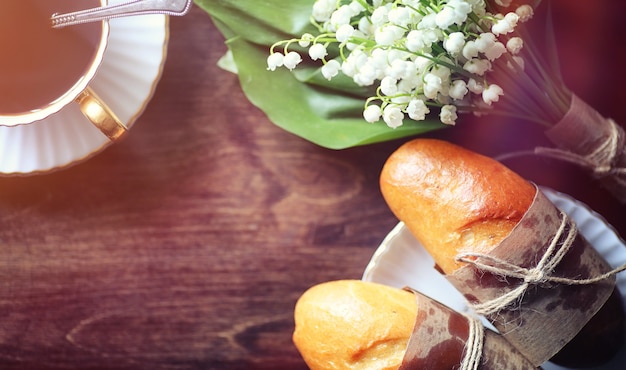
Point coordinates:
[[538, 275], [601, 162]]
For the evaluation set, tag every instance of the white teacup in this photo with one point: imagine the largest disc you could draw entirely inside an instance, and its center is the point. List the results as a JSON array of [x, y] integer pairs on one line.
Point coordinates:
[[43, 69]]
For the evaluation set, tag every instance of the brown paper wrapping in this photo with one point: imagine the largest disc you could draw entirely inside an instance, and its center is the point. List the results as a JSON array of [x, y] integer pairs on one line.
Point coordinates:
[[588, 139], [547, 316], [439, 342]]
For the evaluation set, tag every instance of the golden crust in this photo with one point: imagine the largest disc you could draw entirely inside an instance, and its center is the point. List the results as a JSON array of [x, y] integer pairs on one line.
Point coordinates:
[[355, 325], [453, 199]]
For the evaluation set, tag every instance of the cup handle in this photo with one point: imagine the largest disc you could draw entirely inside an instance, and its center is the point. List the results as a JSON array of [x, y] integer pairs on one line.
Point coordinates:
[[100, 114]]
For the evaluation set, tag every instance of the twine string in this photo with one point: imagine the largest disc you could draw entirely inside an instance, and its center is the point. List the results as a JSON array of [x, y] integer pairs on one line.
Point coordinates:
[[474, 345], [601, 162], [538, 275]]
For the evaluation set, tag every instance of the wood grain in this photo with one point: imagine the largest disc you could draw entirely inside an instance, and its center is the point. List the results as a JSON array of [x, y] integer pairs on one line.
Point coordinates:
[[186, 245]]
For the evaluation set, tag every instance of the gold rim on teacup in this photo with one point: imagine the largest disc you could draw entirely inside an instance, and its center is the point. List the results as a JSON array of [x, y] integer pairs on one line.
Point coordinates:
[[91, 105]]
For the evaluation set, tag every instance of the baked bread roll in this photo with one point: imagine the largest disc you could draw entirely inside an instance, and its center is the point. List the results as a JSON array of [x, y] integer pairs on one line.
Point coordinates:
[[353, 325], [357, 325], [454, 200]]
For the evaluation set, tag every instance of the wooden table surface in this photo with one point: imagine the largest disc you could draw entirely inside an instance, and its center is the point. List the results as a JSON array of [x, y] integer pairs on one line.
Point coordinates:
[[186, 245]]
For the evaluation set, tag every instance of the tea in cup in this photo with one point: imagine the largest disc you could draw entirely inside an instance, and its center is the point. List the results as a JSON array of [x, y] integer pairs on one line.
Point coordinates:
[[43, 69]]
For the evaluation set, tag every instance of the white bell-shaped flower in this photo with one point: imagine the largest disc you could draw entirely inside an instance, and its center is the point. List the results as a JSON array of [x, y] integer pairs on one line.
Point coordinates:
[[291, 60], [393, 116], [448, 115], [330, 69], [417, 109], [372, 113], [274, 61]]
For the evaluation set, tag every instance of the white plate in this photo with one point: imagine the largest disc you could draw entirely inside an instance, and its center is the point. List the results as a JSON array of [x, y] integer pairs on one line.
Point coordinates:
[[131, 68], [401, 261]]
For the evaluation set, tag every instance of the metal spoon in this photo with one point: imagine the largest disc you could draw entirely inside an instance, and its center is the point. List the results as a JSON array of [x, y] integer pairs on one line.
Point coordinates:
[[137, 7]]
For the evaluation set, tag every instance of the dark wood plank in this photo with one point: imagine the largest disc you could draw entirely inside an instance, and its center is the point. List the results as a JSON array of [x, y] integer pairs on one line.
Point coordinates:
[[186, 245]]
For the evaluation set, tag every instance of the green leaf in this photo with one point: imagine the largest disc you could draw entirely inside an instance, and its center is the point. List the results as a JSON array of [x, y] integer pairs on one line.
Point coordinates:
[[327, 118], [262, 21], [303, 102], [340, 83]]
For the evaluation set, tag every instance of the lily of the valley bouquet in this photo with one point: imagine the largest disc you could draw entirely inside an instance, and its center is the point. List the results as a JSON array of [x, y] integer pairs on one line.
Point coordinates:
[[417, 54], [342, 73]]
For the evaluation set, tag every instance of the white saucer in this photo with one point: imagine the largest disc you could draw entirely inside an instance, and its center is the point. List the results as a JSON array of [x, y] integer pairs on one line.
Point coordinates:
[[132, 66], [401, 261]]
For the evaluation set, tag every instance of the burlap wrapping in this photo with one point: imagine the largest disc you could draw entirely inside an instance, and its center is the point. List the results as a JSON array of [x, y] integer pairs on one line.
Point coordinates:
[[546, 316], [440, 342], [586, 138]]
